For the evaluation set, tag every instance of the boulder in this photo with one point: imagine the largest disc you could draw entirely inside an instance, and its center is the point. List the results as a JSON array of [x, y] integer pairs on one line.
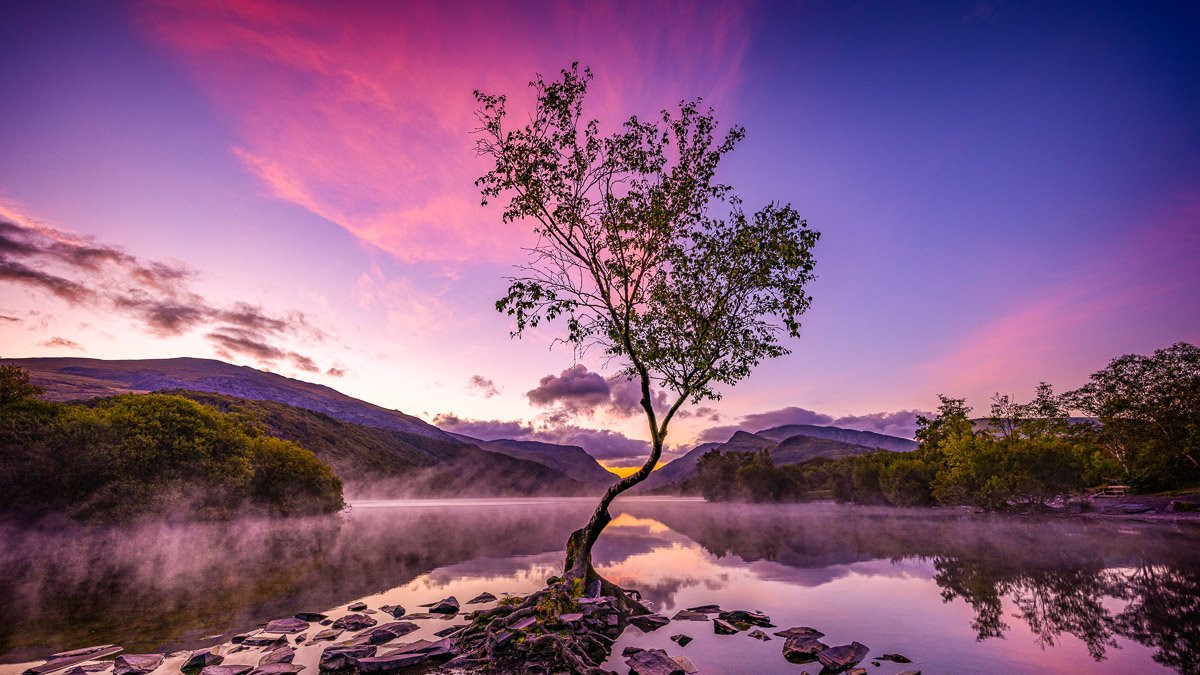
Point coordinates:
[[681, 639], [801, 648], [136, 664], [447, 606], [722, 627], [354, 622], [482, 598], [745, 616], [689, 615], [800, 631], [227, 670], [842, 657], [759, 635], [281, 655], [649, 622], [202, 658], [342, 657], [288, 625], [653, 662]]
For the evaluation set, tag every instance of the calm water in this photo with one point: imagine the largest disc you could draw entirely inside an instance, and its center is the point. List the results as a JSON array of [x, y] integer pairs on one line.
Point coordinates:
[[956, 592]]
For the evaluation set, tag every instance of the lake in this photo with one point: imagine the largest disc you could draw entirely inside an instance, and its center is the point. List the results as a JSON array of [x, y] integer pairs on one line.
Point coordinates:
[[956, 592]]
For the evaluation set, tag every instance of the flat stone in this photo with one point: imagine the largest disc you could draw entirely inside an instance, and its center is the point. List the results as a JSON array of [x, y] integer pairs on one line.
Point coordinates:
[[481, 598], [88, 667], [84, 651], [67, 659], [800, 631], [416, 646], [523, 623], [706, 609], [745, 616], [630, 651], [685, 663], [390, 662], [570, 617], [342, 657], [843, 656], [898, 658], [277, 669], [386, 633], [649, 622], [423, 616], [264, 640], [311, 617], [354, 622], [328, 634], [202, 659], [910, 672], [653, 662], [227, 670], [357, 606], [446, 606], [759, 635], [281, 655], [802, 648], [722, 627], [447, 632], [681, 639], [241, 637], [396, 611], [689, 615], [136, 664], [857, 671], [288, 625]]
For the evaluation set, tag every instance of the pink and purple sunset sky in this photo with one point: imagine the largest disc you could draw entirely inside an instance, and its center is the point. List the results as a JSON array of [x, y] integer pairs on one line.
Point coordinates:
[[1008, 192]]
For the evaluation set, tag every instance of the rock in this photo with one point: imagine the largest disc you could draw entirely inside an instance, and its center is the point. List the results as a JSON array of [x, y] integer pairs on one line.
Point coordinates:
[[390, 662], [354, 622], [482, 598], [681, 639], [685, 663], [202, 658], [88, 667], [759, 635], [301, 638], [744, 616], [842, 657], [447, 606], [653, 662], [649, 622], [396, 611], [857, 671], [67, 659], [423, 615], [447, 632], [281, 655], [630, 651], [226, 670], [277, 669], [910, 672], [570, 617], [357, 606], [341, 657], [722, 627], [689, 615], [1180, 506], [385, 633], [327, 634], [288, 625], [136, 664], [85, 651], [898, 658], [802, 648], [800, 631], [326, 622], [311, 617], [264, 640], [706, 609], [594, 589], [524, 623]]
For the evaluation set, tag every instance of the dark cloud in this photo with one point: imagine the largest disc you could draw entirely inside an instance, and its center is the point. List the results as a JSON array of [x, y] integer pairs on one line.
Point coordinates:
[[599, 443], [336, 372], [5, 317], [61, 342], [484, 430], [902, 423], [575, 389], [156, 294], [486, 387]]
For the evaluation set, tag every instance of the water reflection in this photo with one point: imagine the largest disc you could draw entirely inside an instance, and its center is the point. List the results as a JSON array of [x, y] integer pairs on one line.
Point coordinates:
[[1086, 595]]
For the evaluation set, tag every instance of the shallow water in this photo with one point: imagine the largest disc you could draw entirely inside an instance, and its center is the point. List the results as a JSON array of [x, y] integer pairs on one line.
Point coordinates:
[[956, 592]]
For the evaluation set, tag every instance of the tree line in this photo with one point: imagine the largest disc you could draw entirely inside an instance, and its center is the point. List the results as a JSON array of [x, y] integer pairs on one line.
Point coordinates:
[[1139, 426], [121, 457]]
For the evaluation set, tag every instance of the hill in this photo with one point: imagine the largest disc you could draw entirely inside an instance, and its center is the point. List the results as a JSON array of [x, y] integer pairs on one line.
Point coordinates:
[[569, 460], [66, 379], [789, 444]]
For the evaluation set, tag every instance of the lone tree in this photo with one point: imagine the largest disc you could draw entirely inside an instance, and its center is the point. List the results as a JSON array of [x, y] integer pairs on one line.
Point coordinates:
[[644, 255]]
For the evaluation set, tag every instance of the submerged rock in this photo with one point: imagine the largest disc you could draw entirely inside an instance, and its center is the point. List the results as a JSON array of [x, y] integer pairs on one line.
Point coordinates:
[[354, 622], [653, 662], [685, 663], [681, 639], [843, 656], [288, 625], [706, 609], [66, 659], [136, 664], [386, 633], [281, 655], [311, 617], [689, 615], [800, 631], [649, 622], [327, 634], [759, 635], [745, 616], [802, 648], [482, 598], [396, 611], [202, 659], [898, 658], [446, 606], [341, 657], [723, 627]]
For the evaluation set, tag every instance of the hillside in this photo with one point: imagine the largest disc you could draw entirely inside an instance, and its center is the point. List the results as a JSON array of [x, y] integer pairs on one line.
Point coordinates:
[[569, 460], [790, 444], [66, 379]]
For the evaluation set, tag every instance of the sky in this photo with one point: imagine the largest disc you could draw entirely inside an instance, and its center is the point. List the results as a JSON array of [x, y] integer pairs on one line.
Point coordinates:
[[1008, 192]]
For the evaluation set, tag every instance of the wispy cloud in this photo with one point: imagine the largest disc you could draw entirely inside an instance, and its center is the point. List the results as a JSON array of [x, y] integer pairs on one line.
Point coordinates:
[[483, 386], [61, 342]]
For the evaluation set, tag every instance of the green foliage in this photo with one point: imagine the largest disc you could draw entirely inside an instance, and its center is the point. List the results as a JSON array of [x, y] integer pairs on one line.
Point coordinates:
[[140, 453], [15, 386]]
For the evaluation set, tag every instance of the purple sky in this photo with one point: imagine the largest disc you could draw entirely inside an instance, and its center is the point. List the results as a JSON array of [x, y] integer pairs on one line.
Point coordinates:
[[1008, 192]]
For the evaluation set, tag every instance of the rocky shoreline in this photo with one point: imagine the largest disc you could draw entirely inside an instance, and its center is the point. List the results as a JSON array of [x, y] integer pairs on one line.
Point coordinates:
[[358, 639]]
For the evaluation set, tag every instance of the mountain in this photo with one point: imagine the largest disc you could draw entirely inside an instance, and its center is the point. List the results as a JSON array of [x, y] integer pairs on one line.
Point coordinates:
[[570, 460], [66, 379], [373, 449], [789, 444]]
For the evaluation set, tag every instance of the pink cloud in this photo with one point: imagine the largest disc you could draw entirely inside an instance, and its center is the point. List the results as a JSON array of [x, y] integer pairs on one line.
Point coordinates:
[[361, 113]]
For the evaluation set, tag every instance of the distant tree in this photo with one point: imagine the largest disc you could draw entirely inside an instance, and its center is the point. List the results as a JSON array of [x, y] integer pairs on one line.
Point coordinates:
[[16, 386], [1148, 410], [642, 253]]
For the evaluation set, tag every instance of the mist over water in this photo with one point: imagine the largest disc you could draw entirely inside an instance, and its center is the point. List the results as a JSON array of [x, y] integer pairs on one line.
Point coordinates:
[[956, 592]]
